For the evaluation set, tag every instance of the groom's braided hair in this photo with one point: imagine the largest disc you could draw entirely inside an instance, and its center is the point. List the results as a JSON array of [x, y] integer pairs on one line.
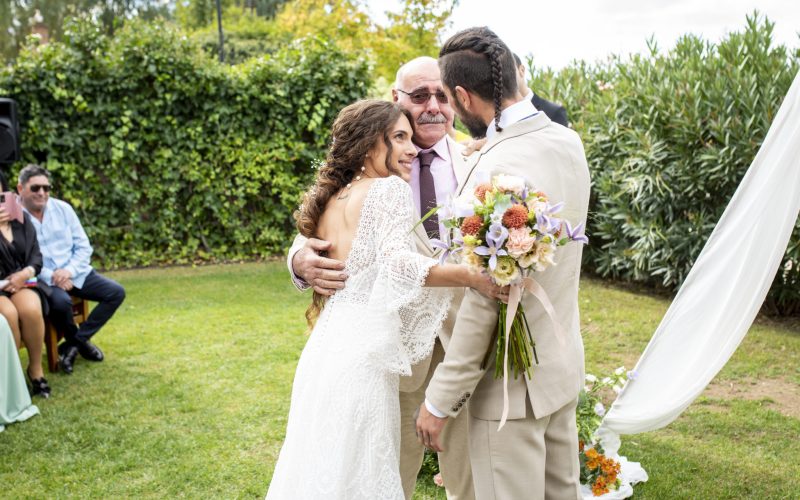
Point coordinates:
[[478, 60], [356, 131]]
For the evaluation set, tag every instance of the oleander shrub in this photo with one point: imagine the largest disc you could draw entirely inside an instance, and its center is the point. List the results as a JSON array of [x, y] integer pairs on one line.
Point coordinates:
[[169, 156], [668, 138]]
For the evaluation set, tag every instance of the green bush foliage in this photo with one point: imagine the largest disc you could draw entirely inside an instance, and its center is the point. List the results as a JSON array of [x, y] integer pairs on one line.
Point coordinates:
[[170, 157], [668, 138]]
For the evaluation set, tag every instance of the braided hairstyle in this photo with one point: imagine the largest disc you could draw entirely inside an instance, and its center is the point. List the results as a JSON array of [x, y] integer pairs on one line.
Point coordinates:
[[477, 60], [356, 131]]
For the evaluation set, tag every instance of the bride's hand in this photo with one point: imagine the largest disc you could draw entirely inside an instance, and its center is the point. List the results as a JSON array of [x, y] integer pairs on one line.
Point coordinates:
[[484, 285]]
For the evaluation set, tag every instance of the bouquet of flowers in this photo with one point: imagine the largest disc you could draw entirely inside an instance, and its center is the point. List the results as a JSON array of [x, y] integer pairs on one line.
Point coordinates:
[[510, 231]]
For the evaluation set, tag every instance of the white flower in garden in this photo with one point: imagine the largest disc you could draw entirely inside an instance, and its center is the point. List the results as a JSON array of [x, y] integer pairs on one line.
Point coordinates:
[[600, 409], [591, 378], [606, 380], [617, 389], [619, 371]]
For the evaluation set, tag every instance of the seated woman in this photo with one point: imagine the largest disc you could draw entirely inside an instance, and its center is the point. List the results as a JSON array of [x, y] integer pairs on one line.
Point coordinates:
[[22, 303], [15, 402]]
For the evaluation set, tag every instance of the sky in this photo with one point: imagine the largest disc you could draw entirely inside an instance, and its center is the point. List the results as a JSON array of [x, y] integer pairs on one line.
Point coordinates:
[[556, 32]]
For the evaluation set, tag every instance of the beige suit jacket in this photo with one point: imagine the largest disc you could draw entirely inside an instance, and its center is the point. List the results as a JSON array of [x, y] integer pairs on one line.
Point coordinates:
[[419, 371], [551, 159]]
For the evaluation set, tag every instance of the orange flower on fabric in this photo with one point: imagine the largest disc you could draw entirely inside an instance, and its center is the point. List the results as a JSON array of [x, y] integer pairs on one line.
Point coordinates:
[[515, 217], [472, 225], [481, 190]]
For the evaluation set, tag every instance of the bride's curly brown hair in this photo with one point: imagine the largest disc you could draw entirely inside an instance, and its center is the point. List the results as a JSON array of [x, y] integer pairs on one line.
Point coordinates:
[[355, 132]]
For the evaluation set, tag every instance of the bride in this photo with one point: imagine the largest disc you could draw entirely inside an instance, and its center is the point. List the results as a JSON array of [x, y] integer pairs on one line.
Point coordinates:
[[343, 434]]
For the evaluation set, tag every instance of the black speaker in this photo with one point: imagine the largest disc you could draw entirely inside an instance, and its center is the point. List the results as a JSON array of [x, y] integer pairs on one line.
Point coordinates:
[[9, 132]]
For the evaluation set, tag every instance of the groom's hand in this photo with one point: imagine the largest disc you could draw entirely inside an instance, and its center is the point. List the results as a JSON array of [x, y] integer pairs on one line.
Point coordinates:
[[429, 429], [323, 274]]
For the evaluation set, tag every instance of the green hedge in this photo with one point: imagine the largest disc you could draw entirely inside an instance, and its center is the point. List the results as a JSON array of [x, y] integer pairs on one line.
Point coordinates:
[[170, 157], [668, 138]]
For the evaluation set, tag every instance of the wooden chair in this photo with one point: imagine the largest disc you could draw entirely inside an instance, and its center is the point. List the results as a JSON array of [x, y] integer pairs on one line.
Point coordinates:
[[80, 311]]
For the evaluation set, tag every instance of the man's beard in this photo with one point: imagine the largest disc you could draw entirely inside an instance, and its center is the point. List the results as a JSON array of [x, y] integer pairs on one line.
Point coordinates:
[[476, 127]]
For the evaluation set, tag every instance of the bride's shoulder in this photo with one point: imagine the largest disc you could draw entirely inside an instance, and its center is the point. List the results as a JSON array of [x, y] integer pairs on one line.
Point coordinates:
[[390, 195], [391, 184]]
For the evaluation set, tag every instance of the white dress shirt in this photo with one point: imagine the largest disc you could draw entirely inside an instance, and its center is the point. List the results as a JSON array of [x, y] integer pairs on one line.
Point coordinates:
[[521, 110]]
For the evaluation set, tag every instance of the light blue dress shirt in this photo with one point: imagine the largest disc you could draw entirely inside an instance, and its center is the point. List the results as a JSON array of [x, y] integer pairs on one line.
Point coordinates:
[[63, 243]]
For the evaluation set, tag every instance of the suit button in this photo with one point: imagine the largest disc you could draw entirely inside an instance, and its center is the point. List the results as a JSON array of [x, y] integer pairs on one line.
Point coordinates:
[[468, 394], [459, 405], [463, 400]]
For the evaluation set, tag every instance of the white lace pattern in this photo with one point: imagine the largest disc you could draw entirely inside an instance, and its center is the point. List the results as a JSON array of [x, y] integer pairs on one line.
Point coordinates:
[[343, 435]]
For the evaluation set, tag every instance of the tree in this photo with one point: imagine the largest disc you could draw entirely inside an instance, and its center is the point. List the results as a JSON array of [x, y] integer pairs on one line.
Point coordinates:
[[18, 17], [413, 32]]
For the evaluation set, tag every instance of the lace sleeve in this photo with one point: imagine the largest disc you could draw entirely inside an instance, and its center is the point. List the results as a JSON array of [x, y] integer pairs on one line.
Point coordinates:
[[414, 312]]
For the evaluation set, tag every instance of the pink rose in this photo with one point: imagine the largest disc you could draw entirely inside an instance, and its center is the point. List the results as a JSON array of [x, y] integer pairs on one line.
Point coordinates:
[[519, 242], [437, 480]]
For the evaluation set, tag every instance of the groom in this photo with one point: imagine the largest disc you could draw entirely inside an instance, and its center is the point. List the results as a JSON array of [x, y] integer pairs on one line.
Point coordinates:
[[535, 455]]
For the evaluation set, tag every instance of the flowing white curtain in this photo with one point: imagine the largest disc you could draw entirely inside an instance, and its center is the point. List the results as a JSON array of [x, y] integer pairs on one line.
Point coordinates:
[[724, 290]]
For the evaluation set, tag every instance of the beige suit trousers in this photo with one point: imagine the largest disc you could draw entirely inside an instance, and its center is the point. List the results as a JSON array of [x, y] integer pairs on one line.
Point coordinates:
[[530, 458], [453, 462]]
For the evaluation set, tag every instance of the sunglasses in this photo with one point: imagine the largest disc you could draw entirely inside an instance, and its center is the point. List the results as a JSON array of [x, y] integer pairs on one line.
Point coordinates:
[[422, 96], [36, 187]]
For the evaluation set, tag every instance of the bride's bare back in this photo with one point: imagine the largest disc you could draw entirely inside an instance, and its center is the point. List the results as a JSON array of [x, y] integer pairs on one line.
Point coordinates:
[[339, 221]]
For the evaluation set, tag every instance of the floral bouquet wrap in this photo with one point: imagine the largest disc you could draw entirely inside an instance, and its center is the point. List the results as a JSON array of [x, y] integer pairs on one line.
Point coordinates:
[[510, 231]]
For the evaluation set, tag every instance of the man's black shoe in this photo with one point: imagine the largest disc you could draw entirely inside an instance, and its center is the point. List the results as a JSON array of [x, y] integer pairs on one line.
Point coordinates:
[[67, 359], [90, 351]]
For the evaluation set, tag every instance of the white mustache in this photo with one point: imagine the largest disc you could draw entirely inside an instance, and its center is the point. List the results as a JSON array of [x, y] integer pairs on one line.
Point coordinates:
[[428, 118]]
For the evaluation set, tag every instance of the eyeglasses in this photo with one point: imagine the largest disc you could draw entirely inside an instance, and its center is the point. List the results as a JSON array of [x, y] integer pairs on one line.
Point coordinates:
[[36, 187], [422, 96]]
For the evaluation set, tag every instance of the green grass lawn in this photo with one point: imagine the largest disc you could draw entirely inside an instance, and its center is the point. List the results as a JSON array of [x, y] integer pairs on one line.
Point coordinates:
[[193, 396]]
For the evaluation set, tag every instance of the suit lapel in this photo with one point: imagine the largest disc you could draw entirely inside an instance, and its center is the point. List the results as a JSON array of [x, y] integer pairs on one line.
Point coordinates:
[[460, 163]]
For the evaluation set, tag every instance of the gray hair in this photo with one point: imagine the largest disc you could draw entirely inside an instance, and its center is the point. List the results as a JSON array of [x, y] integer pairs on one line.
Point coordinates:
[[32, 170], [401, 73]]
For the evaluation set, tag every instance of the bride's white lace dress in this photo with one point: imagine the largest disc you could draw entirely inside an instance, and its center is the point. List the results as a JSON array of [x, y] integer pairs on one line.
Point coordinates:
[[343, 435]]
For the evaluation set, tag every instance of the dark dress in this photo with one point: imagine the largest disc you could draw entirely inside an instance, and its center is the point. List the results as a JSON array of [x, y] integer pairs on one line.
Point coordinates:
[[21, 253]]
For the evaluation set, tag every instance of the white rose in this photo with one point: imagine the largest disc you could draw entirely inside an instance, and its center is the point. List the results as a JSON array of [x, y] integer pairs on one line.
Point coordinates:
[[509, 183]]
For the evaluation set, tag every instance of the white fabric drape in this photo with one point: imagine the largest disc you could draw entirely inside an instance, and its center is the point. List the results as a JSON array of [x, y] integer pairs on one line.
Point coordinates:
[[724, 290]]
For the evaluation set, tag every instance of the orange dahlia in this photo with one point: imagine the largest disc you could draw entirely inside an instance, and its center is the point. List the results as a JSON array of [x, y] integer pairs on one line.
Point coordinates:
[[472, 225], [481, 190], [515, 217]]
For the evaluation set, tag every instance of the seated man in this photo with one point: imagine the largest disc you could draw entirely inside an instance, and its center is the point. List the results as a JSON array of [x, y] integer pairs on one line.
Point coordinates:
[[66, 252]]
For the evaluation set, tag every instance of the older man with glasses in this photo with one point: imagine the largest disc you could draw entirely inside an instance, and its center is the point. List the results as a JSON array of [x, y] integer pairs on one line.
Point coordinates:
[[67, 269]]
